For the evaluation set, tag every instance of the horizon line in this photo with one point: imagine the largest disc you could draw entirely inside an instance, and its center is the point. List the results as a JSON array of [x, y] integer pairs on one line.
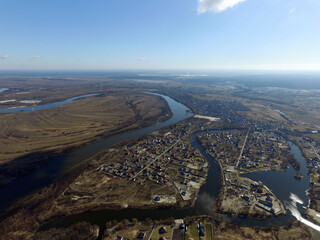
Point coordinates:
[[166, 69]]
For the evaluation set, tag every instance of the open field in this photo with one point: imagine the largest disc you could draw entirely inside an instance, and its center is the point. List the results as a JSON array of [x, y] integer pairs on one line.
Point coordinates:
[[148, 229], [193, 231], [261, 112], [29, 138], [224, 231], [21, 90], [129, 230], [79, 231]]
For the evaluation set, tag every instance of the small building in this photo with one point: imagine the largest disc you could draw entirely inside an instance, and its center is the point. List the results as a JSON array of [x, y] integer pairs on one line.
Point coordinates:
[[182, 226], [265, 203], [268, 198], [202, 232], [163, 230], [141, 235], [246, 198], [157, 199]]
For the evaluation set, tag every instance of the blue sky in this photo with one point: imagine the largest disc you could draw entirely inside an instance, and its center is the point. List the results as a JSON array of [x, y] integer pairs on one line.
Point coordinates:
[[160, 34]]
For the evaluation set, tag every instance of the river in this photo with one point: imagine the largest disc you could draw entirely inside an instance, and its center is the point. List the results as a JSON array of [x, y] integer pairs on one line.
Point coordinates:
[[59, 165], [44, 106], [281, 183], [3, 89], [207, 195]]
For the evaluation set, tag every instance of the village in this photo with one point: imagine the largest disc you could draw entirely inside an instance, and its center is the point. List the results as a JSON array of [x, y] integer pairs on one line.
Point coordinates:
[[196, 228], [239, 152], [311, 151], [166, 159], [178, 229]]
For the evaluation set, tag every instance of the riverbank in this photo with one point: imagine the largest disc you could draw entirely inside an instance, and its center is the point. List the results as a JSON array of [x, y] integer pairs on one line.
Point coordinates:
[[265, 206], [201, 205], [30, 218], [65, 197], [161, 171], [204, 198], [87, 122], [309, 149], [126, 212], [240, 195]]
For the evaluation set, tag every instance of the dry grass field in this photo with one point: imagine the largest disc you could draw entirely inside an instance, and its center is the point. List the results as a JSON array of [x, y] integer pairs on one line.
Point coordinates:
[[128, 230], [44, 90], [261, 112], [225, 231], [28, 135]]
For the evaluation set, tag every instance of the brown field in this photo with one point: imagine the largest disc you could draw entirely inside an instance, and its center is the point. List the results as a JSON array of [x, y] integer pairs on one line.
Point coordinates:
[[28, 135], [92, 190], [260, 112], [129, 230], [301, 114], [79, 231], [44, 90], [225, 231]]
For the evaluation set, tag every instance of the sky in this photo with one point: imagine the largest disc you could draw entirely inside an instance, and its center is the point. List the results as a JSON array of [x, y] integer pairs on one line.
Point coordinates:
[[160, 34]]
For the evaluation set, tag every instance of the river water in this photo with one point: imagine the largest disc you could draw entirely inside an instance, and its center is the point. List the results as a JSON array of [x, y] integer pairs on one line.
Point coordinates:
[[3, 89], [44, 106], [281, 183], [59, 165]]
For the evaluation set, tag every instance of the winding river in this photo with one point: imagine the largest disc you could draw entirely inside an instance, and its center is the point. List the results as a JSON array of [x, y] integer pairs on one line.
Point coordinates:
[[59, 165], [44, 106], [281, 183]]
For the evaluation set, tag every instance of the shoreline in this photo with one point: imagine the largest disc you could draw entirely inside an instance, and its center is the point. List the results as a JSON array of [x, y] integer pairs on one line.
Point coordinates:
[[242, 209], [47, 156]]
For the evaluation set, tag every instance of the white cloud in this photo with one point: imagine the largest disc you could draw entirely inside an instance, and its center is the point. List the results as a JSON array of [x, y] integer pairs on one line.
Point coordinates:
[[216, 5], [34, 57], [5, 56], [142, 59], [292, 10]]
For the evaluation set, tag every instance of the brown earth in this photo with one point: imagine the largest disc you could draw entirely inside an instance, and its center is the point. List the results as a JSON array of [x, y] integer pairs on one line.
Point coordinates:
[[30, 138]]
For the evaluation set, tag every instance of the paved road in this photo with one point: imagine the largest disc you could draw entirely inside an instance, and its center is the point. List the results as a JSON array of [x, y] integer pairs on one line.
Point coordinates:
[[158, 157], [315, 151], [154, 226], [244, 144]]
